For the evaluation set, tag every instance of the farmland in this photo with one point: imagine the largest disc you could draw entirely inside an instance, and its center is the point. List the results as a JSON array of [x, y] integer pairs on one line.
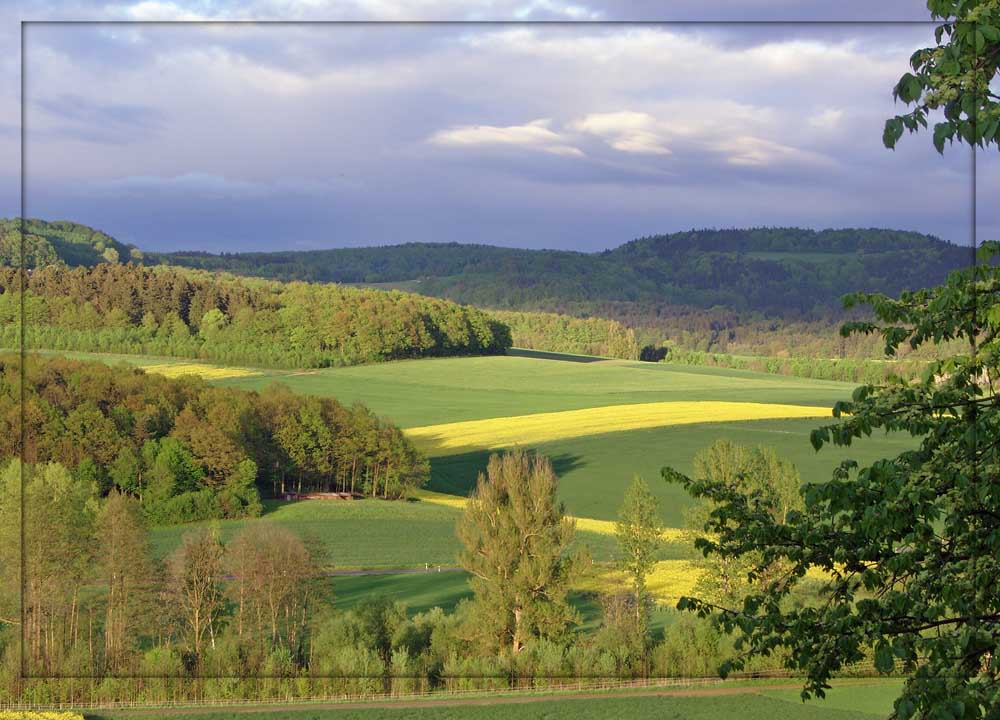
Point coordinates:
[[593, 468], [849, 702], [600, 422]]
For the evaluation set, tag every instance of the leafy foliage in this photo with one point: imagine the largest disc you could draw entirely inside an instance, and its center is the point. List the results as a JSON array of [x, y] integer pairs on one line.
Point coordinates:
[[782, 271], [59, 243], [752, 471], [638, 533], [952, 79], [911, 542], [515, 536]]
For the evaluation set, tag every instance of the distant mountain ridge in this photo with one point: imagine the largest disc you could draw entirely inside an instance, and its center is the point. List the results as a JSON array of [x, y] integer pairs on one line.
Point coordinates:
[[771, 271], [768, 270]]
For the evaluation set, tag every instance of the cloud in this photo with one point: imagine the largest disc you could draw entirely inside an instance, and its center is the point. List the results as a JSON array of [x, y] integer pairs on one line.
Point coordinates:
[[534, 135], [829, 119], [559, 135], [632, 132], [750, 151]]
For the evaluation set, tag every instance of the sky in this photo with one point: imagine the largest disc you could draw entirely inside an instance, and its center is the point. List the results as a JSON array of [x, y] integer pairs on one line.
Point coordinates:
[[225, 137]]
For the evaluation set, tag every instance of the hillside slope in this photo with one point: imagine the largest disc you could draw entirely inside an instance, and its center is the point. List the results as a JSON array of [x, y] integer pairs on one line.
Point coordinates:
[[60, 243], [782, 271]]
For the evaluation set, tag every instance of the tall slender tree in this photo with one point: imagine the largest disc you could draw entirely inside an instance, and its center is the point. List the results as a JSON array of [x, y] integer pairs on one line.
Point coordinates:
[[515, 539], [638, 533]]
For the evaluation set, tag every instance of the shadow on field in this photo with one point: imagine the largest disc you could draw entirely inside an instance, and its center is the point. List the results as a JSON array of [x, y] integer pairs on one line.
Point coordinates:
[[456, 474]]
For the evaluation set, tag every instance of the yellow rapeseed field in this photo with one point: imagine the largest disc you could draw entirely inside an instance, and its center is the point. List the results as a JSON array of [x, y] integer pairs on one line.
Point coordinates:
[[603, 527], [38, 715], [209, 372], [460, 437], [669, 580]]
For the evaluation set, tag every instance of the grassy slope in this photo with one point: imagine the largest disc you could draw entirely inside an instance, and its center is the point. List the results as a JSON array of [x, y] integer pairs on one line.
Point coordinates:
[[746, 706], [376, 533], [428, 392], [594, 471]]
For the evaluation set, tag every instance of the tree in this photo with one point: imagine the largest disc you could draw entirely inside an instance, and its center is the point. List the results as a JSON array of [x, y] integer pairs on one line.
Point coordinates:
[[515, 539], [751, 471], [954, 77], [638, 533], [271, 572], [58, 551], [195, 577], [909, 542], [123, 542]]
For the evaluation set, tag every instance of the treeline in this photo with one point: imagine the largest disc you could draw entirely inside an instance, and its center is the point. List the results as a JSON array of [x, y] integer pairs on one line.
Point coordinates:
[[189, 451], [166, 311], [786, 272], [861, 371], [566, 334], [59, 243]]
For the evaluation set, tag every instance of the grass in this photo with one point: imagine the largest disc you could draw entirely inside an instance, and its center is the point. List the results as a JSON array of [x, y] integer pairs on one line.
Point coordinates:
[[500, 432], [425, 590], [416, 393], [600, 422], [875, 699], [749, 705], [378, 534], [356, 534], [595, 470]]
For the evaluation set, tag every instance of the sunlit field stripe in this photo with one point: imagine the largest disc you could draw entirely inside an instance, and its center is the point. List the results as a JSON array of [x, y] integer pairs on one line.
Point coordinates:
[[461, 437], [602, 527], [669, 580], [209, 372]]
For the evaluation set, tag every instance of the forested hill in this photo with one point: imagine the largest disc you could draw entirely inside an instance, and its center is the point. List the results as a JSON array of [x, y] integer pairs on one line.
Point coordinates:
[[775, 271], [60, 243], [771, 270], [125, 308]]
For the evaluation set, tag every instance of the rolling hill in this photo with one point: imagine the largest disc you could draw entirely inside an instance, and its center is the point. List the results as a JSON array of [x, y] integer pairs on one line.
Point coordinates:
[[781, 271]]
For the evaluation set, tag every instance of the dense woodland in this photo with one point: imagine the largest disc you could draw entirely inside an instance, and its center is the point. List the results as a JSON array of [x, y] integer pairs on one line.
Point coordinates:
[[567, 334], [766, 292], [763, 291], [165, 311], [188, 451], [60, 243], [791, 272]]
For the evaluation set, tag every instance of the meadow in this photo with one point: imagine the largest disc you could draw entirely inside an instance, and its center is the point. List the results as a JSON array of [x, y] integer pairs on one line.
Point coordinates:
[[859, 702], [601, 422]]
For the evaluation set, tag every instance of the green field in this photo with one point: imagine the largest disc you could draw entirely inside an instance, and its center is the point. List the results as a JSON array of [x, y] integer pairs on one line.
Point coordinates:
[[444, 390], [377, 533], [593, 469], [429, 392], [422, 591], [754, 704]]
